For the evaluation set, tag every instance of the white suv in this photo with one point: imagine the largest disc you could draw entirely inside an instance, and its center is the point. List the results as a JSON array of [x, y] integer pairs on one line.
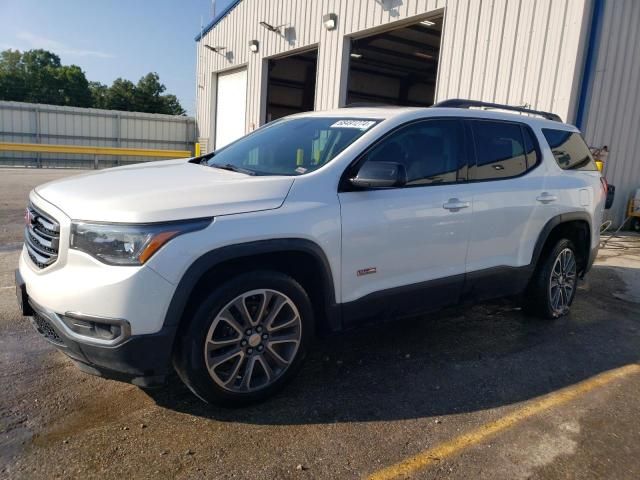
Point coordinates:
[[225, 266]]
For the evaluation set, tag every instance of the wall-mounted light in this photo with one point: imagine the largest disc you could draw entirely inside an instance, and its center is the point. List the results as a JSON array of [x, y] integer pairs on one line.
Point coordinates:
[[269, 27], [330, 21], [254, 46], [428, 23], [215, 49], [356, 55]]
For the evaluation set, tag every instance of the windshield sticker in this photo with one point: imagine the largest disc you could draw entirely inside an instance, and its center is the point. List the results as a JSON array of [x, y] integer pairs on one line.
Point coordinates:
[[301, 170], [359, 124]]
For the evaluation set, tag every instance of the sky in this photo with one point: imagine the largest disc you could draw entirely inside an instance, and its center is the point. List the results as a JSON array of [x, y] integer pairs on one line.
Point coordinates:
[[114, 38]]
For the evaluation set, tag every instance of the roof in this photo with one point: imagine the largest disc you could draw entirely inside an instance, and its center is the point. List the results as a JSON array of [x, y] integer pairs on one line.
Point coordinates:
[[217, 19]]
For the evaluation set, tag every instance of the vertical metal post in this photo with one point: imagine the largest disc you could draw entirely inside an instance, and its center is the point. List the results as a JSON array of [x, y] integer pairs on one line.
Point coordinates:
[[188, 136], [38, 140], [95, 162], [118, 135]]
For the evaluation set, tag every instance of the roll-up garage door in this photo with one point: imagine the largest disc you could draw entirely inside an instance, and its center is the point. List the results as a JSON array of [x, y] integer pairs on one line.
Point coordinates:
[[231, 107]]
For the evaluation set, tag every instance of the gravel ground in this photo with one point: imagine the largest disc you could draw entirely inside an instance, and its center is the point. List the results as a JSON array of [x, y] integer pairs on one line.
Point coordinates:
[[364, 400]]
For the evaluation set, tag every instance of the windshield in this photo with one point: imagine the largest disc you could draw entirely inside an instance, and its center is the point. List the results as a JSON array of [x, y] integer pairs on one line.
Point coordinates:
[[291, 146]]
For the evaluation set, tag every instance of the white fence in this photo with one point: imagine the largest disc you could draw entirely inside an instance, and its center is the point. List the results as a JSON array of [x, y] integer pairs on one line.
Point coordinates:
[[54, 125]]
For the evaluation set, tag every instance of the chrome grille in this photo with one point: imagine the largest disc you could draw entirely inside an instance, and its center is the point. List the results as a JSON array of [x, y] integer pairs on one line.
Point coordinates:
[[41, 237]]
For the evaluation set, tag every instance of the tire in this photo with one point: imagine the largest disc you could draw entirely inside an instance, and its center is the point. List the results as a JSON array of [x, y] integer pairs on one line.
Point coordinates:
[[265, 349], [635, 224], [554, 283]]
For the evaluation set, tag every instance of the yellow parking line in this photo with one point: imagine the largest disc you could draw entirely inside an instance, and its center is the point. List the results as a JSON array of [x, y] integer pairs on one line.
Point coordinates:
[[431, 456]]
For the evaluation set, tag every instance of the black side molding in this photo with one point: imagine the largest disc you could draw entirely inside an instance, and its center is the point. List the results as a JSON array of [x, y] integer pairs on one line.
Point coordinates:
[[403, 301], [209, 261], [551, 224]]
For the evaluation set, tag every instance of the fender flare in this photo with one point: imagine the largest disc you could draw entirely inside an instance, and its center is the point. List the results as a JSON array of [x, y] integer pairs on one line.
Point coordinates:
[[553, 223], [211, 259]]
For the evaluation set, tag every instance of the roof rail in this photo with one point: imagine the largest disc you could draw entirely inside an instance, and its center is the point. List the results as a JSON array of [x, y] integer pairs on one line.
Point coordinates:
[[462, 103]]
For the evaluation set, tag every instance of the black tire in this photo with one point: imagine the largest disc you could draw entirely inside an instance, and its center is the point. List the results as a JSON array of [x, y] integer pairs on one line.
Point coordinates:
[[634, 226], [189, 356], [539, 301]]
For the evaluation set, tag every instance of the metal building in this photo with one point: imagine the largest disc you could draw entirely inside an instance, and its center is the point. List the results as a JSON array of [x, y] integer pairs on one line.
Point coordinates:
[[259, 60]]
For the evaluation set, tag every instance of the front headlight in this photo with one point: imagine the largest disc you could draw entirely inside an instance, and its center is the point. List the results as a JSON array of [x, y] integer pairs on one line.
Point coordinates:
[[128, 244]]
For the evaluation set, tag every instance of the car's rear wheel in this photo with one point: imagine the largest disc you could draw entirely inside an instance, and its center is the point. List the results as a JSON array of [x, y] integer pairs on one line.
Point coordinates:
[[555, 282], [246, 340]]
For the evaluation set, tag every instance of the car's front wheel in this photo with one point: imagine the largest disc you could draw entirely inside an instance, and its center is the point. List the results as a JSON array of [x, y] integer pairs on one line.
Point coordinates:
[[555, 281], [246, 340]]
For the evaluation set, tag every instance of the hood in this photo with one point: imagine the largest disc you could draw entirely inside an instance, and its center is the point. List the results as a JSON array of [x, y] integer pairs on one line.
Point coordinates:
[[163, 191]]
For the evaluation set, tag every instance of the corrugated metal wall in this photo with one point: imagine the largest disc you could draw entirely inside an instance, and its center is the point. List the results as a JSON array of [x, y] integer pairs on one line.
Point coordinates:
[[50, 124], [613, 108], [512, 51]]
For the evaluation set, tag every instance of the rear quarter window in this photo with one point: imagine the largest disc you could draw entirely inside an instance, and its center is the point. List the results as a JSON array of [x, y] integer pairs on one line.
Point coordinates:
[[500, 150], [570, 150]]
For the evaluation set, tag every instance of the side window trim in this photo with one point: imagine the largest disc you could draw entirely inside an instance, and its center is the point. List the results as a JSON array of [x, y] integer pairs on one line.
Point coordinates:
[[536, 146], [345, 186], [473, 157]]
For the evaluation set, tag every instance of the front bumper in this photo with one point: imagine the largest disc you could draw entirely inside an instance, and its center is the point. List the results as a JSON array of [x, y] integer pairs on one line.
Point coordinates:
[[144, 360]]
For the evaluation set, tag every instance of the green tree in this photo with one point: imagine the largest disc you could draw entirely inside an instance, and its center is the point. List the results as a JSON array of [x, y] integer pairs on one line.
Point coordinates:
[[172, 105], [99, 93], [12, 81], [41, 78], [73, 86], [147, 94], [38, 76], [121, 95], [149, 97]]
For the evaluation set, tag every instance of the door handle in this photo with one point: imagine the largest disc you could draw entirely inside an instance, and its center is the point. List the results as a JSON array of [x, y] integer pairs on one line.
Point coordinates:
[[453, 205], [546, 197]]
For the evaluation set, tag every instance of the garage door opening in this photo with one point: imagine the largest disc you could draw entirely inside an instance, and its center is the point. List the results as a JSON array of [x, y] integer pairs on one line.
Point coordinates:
[[291, 86], [397, 67]]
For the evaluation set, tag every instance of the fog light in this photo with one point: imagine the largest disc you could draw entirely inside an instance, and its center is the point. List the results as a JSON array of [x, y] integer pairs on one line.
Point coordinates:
[[90, 328]]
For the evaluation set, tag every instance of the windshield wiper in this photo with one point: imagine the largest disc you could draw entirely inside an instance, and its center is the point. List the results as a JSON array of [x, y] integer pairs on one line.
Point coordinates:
[[233, 168]]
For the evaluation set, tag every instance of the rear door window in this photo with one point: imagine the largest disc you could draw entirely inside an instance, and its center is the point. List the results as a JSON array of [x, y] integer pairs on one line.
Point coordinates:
[[569, 150], [500, 150]]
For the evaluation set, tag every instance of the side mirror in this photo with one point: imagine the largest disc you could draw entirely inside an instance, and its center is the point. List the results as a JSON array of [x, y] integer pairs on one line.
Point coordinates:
[[380, 175]]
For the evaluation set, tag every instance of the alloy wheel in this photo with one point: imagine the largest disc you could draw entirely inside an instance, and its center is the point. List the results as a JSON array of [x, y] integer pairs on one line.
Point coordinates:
[[562, 282], [253, 340]]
